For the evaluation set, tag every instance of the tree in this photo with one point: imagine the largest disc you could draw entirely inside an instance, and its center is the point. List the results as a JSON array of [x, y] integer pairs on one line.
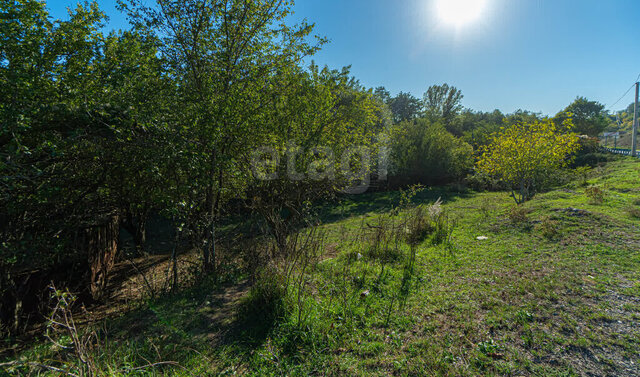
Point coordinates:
[[525, 154], [477, 127], [228, 59], [53, 147], [383, 94], [75, 143], [589, 117], [442, 102], [523, 116], [322, 114], [405, 107]]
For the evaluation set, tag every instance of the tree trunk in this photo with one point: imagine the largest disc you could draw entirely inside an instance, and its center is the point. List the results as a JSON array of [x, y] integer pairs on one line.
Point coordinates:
[[101, 245], [140, 237], [209, 251], [137, 229]]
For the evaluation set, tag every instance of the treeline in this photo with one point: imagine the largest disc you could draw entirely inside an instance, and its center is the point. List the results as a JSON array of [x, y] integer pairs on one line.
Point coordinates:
[[436, 140], [199, 109]]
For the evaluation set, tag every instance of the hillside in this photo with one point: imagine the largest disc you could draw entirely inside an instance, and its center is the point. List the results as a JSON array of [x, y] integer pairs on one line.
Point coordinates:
[[549, 290]]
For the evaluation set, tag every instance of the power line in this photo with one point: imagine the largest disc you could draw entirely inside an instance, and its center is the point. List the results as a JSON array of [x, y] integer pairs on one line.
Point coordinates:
[[625, 93]]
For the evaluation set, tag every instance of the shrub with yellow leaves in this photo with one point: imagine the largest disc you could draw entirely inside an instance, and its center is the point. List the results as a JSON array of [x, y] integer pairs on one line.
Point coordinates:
[[524, 155]]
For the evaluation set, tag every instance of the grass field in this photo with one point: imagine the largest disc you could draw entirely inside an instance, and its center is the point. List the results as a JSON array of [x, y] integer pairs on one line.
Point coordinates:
[[550, 289]]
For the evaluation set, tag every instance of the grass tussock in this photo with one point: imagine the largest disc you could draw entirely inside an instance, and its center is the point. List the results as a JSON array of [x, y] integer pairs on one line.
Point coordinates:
[[518, 215], [595, 194]]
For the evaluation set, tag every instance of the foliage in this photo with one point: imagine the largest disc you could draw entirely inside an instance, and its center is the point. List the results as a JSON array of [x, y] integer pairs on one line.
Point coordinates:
[[524, 154], [588, 117], [431, 220], [622, 120], [359, 322], [324, 114], [582, 173], [590, 153], [476, 128], [266, 302], [424, 152], [223, 65], [405, 107], [159, 119], [442, 102]]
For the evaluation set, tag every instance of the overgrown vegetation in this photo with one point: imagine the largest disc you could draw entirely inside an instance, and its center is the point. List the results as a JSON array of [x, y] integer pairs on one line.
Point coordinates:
[[187, 197], [375, 293]]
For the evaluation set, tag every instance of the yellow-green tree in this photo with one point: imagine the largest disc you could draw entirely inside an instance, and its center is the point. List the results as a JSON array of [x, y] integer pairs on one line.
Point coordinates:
[[524, 155]]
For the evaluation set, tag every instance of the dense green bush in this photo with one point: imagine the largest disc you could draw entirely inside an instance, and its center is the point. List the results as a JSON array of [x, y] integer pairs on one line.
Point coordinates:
[[590, 153], [425, 152]]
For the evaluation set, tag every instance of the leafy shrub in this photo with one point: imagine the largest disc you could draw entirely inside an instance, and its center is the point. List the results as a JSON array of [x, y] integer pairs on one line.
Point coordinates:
[[406, 198], [482, 181], [425, 152], [525, 154], [556, 178], [593, 159], [582, 174], [589, 153], [595, 194]]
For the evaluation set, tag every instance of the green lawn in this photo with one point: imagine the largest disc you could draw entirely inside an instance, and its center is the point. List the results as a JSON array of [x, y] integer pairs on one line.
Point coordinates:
[[554, 294]]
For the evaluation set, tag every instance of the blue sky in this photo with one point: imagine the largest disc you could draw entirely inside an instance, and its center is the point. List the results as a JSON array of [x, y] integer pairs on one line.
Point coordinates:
[[521, 54]]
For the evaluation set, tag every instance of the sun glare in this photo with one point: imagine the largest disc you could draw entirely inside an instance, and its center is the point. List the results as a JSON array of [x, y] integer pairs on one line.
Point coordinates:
[[460, 13]]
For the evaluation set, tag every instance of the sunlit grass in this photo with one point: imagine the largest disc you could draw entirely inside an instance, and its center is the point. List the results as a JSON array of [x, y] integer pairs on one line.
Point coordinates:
[[518, 303]]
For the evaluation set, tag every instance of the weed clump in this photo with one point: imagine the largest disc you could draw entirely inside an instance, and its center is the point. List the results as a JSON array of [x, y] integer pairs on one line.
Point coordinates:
[[518, 215], [634, 212], [430, 221], [549, 228], [281, 287], [381, 239], [595, 194], [266, 302], [419, 226]]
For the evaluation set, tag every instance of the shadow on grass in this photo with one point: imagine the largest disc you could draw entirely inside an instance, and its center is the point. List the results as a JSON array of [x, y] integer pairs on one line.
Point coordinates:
[[201, 319], [381, 202], [236, 318]]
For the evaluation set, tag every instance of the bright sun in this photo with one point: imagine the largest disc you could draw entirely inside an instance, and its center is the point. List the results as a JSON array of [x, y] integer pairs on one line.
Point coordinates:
[[460, 13]]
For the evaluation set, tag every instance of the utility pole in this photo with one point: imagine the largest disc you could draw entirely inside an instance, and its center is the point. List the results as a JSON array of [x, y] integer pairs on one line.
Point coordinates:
[[635, 122]]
